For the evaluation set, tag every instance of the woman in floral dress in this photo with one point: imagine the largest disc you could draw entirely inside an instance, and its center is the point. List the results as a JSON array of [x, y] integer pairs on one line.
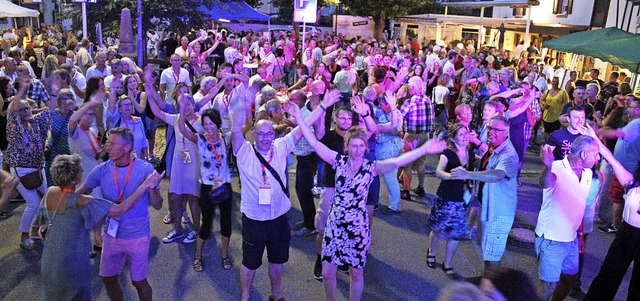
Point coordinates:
[[347, 237]]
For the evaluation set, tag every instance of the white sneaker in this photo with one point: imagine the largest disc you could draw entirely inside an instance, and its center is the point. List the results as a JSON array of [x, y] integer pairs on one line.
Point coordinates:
[[191, 237], [172, 236]]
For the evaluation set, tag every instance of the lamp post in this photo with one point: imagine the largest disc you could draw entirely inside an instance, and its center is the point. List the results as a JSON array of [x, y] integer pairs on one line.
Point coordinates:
[[141, 48]]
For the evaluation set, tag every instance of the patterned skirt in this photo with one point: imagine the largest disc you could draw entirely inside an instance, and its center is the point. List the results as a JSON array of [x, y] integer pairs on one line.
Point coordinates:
[[449, 219]]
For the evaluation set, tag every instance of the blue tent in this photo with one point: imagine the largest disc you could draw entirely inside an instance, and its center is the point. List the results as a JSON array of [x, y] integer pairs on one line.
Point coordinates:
[[232, 10]]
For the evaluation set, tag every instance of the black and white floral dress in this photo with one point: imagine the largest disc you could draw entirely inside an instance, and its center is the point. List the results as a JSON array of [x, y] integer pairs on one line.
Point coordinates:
[[347, 237]]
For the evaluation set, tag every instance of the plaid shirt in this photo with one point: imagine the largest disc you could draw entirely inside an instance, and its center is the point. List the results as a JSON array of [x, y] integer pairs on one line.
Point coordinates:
[[38, 92], [418, 114], [535, 109]]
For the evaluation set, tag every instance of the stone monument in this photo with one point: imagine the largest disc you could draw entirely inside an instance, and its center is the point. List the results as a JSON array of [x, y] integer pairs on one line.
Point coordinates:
[[126, 47]]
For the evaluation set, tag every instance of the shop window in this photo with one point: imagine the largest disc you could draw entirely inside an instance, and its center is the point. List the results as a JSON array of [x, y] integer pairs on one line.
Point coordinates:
[[562, 7]]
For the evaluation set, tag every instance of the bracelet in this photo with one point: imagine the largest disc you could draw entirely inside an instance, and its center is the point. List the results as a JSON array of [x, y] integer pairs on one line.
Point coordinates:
[[322, 107], [365, 116]]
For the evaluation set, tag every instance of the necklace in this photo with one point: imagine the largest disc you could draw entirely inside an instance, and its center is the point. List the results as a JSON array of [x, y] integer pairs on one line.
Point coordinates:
[[351, 169]]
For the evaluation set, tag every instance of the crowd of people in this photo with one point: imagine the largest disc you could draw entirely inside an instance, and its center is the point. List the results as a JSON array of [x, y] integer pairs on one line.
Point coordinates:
[[81, 126]]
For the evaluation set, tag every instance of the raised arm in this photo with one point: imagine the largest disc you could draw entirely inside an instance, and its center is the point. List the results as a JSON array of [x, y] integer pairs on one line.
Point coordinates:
[[182, 125], [152, 94], [213, 92], [94, 101], [239, 116], [547, 178], [330, 98], [363, 110], [325, 153], [432, 146]]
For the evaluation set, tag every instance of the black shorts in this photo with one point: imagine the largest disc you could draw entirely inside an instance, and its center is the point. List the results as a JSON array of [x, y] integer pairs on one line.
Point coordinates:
[[275, 235], [550, 127]]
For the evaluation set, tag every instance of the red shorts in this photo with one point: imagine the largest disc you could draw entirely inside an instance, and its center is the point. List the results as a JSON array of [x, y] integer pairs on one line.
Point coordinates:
[[616, 191]]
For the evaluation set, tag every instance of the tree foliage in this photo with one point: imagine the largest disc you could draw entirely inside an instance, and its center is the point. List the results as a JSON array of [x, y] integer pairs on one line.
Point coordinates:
[[180, 15], [380, 10]]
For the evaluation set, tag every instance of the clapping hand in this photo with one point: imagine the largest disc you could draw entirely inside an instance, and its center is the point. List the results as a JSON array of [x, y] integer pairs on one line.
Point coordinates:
[[546, 154]]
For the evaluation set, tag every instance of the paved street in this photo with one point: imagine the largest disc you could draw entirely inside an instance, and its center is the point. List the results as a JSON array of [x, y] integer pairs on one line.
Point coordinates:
[[395, 270]]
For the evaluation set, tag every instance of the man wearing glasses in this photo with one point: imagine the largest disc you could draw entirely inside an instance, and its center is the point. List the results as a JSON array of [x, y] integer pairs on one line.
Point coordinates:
[[264, 202], [497, 190]]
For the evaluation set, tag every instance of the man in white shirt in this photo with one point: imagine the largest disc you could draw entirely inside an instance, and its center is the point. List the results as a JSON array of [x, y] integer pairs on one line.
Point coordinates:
[[171, 76], [9, 70], [269, 60], [116, 73], [100, 69], [559, 235]]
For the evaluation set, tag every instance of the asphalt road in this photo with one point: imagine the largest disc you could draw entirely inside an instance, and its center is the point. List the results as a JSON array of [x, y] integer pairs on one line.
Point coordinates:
[[395, 270]]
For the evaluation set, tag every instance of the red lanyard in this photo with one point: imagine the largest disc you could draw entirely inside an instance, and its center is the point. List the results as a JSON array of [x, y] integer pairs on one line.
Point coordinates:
[[125, 121], [226, 99], [126, 180], [67, 189], [215, 151], [92, 138], [264, 173], [176, 78]]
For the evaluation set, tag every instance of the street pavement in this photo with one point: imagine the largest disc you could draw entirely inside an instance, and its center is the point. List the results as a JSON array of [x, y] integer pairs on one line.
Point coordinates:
[[395, 269]]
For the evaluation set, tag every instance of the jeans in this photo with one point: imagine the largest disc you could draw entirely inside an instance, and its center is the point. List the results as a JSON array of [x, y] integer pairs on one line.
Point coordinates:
[[374, 189], [305, 170], [391, 149], [31, 197]]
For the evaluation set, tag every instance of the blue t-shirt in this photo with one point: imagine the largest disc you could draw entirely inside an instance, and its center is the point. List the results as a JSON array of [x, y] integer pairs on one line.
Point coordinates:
[[627, 149], [134, 223]]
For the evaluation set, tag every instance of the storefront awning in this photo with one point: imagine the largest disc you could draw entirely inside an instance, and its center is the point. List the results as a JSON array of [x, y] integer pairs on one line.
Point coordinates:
[[612, 45]]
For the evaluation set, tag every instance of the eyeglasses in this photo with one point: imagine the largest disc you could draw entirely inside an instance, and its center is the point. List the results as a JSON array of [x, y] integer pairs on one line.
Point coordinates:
[[496, 129], [265, 134]]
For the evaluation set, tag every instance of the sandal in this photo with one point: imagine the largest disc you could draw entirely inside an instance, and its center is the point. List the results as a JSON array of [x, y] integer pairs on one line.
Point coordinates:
[[167, 219], [4, 215], [451, 272], [197, 265], [431, 259], [227, 263]]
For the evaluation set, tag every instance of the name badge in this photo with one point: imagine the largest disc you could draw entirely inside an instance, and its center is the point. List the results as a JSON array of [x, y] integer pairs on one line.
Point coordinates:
[[112, 227], [186, 156], [264, 195]]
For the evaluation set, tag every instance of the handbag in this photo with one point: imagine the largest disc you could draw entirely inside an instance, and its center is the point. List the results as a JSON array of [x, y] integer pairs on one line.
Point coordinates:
[[220, 194], [31, 180], [43, 220]]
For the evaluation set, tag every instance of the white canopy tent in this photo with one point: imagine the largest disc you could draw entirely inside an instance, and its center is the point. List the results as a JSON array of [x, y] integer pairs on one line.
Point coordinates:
[[10, 10]]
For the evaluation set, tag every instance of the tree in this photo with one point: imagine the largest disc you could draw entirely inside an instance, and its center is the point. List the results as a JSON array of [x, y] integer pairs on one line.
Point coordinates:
[[380, 10], [181, 15]]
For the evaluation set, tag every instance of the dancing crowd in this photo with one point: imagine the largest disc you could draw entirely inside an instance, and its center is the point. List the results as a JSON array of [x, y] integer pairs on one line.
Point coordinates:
[[81, 125]]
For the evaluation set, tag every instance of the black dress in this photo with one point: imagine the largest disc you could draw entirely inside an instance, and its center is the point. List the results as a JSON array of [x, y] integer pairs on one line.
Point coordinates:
[[448, 216]]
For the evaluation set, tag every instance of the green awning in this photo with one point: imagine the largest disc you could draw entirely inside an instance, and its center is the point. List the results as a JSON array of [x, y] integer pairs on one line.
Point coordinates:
[[612, 45]]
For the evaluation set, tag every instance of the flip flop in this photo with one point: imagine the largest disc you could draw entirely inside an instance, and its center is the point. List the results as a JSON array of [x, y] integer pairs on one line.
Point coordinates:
[[197, 265], [227, 263], [431, 259]]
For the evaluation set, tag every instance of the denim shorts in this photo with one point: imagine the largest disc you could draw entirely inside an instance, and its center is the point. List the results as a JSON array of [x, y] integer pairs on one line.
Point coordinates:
[[555, 258]]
